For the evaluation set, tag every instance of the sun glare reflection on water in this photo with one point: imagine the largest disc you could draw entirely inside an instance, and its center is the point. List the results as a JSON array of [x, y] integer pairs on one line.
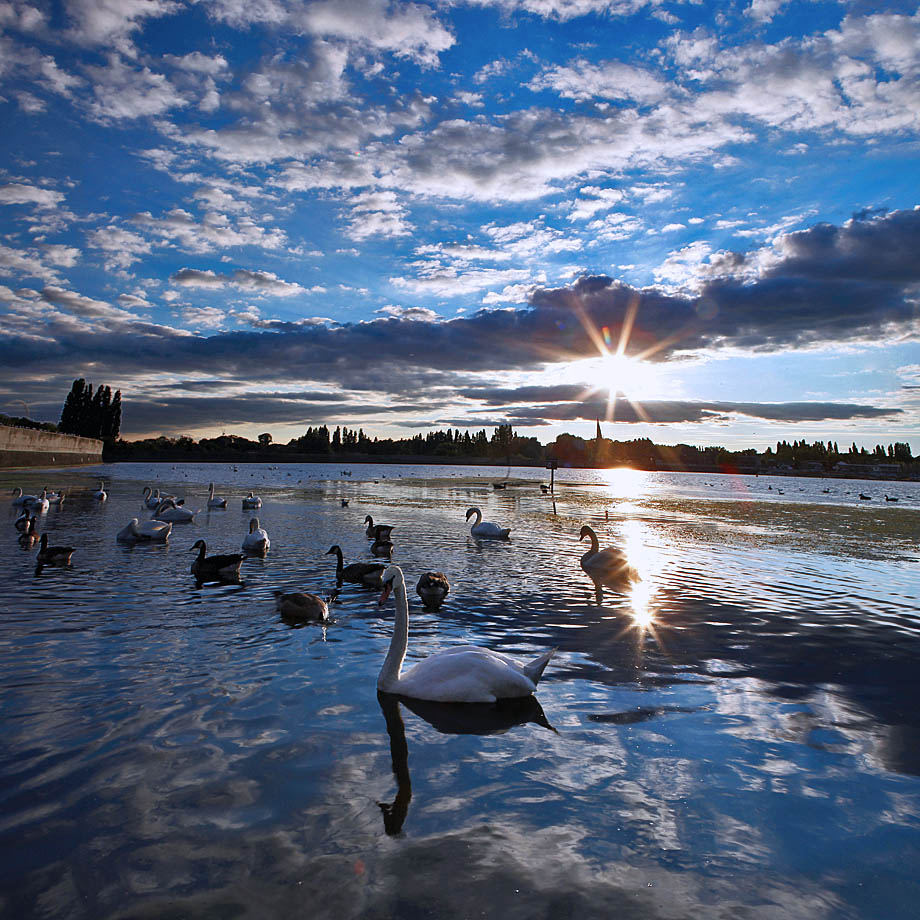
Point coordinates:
[[625, 482]]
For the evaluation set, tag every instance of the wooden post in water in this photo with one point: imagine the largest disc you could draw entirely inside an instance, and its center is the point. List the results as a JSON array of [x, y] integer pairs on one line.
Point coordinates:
[[552, 466]]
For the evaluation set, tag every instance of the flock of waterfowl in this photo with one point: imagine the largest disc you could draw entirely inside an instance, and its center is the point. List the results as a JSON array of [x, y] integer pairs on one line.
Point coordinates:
[[463, 674]]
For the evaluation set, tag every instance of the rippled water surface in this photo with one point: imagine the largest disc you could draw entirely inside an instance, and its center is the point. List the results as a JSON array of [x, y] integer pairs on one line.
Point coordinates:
[[738, 736]]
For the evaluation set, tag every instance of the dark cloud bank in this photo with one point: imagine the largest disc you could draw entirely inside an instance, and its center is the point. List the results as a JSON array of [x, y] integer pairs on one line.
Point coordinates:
[[825, 285]]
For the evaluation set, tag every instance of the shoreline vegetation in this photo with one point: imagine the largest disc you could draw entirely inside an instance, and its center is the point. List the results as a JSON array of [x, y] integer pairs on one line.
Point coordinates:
[[505, 448]]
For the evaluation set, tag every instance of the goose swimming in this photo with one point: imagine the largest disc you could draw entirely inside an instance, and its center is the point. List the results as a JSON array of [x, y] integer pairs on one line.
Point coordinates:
[[29, 537], [221, 567], [368, 574], [302, 607], [466, 674], [256, 542], [377, 531], [486, 530], [53, 555], [382, 547]]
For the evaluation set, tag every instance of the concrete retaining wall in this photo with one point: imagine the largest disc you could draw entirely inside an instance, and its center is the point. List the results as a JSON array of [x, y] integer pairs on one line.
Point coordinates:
[[31, 447]]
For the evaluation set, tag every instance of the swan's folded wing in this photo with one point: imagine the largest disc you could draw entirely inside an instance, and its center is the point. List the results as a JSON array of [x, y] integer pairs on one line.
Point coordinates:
[[467, 674]]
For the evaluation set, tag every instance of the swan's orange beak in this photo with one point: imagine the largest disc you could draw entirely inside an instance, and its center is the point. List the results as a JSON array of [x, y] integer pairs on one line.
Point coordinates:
[[387, 588]]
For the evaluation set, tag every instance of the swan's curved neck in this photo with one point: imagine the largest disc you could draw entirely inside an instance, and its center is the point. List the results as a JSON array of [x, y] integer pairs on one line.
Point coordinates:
[[388, 679], [478, 514], [594, 544]]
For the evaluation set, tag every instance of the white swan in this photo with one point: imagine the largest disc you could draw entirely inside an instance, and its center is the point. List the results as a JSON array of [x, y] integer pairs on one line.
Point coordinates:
[[39, 504], [607, 566], [256, 542], [19, 499], [153, 498], [146, 532], [100, 494], [215, 501], [251, 502], [169, 511], [467, 674], [486, 530]]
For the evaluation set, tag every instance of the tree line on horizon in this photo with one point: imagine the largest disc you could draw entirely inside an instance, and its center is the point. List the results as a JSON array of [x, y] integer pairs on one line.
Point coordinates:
[[97, 414], [505, 446]]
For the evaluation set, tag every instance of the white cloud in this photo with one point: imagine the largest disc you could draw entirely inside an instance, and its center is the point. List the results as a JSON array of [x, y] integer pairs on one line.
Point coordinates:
[[418, 314], [377, 213], [111, 22], [594, 199], [122, 248], [569, 9], [408, 30], [126, 92], [435, 278], [583, 80], [213, 231], [257, 282], [21, 193], [684, 267]]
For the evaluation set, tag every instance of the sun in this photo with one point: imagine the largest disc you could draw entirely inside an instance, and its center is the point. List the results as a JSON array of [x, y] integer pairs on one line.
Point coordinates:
[[614, 373]]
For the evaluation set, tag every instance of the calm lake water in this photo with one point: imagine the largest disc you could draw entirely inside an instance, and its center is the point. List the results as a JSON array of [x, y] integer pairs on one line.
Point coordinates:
[[737, 737]]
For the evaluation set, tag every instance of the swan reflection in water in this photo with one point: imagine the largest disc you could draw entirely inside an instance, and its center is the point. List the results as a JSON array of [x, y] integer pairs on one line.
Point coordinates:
[[449, 719]]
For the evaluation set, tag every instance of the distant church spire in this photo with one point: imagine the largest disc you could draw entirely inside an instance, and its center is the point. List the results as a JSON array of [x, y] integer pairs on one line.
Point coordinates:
[[598, 436]]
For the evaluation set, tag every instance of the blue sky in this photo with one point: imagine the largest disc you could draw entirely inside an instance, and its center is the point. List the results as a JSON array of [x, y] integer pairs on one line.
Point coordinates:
[[698, 222]]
